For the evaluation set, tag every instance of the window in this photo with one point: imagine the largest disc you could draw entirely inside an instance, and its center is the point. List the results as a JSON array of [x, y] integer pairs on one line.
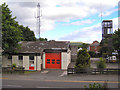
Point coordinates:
[[58, 62], [31, 57], [53, 59], [53, 62], [20, 57], [10, 57], [48, 62], [48, 59]]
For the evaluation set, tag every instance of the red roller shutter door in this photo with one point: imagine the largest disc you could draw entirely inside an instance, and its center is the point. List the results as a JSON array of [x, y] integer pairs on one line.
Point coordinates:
[[53, 60]]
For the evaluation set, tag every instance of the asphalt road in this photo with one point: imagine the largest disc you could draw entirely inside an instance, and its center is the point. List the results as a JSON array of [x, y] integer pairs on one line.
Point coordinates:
[[51, 84], [56, 79]]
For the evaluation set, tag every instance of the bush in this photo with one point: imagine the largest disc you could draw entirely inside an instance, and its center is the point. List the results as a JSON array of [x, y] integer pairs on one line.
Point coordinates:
[[83, 59], [101, 64], [13, 65], [97, 86], [92, 53]]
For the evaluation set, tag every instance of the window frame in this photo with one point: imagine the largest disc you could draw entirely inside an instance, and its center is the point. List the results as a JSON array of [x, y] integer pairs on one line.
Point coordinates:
[[10, 57], [20, 57], [31, 57]]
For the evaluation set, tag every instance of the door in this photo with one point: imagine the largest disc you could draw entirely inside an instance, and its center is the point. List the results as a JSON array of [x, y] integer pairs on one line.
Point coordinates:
[[53, 60]]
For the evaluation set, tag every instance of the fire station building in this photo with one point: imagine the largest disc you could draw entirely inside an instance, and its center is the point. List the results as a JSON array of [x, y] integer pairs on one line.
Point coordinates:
[[37, 55]]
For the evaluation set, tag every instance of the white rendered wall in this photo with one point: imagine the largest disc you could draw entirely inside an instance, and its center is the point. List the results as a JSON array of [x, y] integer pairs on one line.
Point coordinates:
[[68, 57], [6, 61], [26, 62], [43, 60], [15, 60], [34, 62], [39, 63], [64, 60]]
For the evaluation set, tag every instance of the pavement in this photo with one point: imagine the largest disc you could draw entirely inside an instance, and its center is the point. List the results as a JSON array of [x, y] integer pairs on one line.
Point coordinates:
[[50, 78]]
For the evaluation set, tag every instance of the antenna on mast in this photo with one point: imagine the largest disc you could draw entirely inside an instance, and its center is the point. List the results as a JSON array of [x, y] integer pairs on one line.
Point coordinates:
[[101, 11], [38, 18]]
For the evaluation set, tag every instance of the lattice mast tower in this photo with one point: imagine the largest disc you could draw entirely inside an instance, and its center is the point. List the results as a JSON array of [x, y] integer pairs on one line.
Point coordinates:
[[38, 18]]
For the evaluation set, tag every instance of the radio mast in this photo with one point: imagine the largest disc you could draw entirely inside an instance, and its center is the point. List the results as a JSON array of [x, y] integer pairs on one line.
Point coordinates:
[[38, 18]]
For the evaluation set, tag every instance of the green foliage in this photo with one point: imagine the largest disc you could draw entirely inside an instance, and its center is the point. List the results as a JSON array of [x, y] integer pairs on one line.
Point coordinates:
[[81, 66], [42, 39], [11, 34], [14, 65], [83, 46], [83, 59], [92, 53], [106, 46], [101, 64], [27, 34], [95, 86], [116, 41]]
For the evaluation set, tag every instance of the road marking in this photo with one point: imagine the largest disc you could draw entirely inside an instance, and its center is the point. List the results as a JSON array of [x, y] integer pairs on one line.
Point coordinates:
[[27, 79], [44, 72], [66, 81], [48, 87], [64, 73], [11, 85], [83, 81], [3, 78]]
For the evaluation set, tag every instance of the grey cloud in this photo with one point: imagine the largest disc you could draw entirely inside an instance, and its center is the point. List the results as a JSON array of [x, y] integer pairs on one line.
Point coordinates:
[[28, 4]]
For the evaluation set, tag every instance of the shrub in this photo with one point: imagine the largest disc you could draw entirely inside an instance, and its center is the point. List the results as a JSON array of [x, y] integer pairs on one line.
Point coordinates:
[[96, 86], [92, 53], [83, 59], [14, 65], [101, 64]]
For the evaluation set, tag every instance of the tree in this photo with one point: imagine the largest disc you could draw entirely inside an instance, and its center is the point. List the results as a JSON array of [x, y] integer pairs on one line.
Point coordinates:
[[116, 41], [101, 64], [11, 34], [92, 53], [42, 39], [83, 46], [27, 34], [83, 59], [106, 49]]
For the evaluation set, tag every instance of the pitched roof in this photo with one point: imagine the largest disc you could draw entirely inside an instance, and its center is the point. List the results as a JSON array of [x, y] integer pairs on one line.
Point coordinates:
[[95, 43], [39, 46]]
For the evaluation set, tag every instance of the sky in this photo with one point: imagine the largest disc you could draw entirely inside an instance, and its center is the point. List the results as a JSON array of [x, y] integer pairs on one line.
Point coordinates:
[[66, 20]]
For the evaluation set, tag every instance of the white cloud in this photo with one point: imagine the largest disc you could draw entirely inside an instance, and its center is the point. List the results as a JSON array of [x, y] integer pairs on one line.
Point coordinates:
[[115, 24], [88, 34], [83, 22], [107, 13], [68, 10]]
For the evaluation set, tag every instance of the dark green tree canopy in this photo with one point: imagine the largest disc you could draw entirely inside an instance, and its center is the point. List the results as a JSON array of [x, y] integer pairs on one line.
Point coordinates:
[[84, 46], [27, 34], [42, 39], [83, 58], [11, 34], [116, 41]]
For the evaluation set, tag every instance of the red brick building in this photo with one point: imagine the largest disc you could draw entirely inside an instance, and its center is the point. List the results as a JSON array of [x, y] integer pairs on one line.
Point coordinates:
[[94, 46]]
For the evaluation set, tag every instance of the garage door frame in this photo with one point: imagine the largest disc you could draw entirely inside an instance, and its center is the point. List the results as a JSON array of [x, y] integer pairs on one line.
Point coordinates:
[[49, 58]]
